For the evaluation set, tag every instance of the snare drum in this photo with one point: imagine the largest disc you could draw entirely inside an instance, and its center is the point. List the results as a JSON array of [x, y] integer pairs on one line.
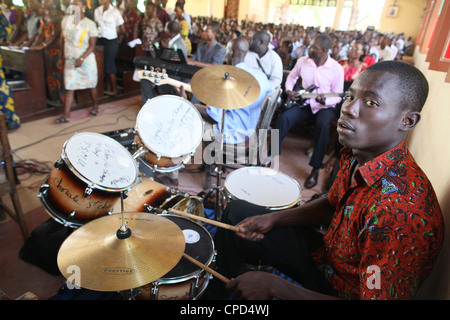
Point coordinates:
[[169, 129], [185, 281], [88, 179], [262, 186]]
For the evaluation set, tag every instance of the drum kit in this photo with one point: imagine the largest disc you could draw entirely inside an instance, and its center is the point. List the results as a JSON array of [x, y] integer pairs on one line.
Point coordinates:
[[156, 247]]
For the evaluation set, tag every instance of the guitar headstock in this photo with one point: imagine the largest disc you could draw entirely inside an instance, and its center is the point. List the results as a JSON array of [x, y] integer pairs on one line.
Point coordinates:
[[156, 76]]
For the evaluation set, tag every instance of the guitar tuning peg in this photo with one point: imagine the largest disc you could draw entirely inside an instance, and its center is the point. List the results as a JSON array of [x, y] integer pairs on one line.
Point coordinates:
[[164, 74]]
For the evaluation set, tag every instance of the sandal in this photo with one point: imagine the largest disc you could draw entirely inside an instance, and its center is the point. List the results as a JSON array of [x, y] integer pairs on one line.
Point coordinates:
[[62, 120], [93, 112]]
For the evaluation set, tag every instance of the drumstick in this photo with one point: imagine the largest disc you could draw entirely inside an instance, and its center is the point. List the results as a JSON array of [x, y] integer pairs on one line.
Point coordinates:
[[210, 221], [207, 269]]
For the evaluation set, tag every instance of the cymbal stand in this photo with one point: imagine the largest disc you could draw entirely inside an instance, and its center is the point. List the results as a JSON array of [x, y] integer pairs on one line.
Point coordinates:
[[123, 232], [220, 195], [217, 189]]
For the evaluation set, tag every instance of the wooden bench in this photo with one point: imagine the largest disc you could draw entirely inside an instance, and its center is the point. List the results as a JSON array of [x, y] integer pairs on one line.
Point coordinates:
[[125, 67], [28, 89]]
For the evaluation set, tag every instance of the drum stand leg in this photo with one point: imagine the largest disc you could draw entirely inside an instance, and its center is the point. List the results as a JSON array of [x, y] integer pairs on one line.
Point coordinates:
[[218, 189], [217, 192]]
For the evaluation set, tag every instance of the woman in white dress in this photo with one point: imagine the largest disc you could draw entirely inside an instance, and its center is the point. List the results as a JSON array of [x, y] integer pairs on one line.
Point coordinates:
[[80, 66]]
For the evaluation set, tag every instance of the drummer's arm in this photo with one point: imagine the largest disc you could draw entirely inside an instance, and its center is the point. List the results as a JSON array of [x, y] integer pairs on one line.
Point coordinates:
[[313, 213]]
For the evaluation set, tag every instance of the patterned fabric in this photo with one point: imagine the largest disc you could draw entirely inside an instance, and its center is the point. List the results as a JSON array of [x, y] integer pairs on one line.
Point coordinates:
[[387, 229], [76, 42], [132, 18], [11, 15], [6, 100], [184, 31], [54, 75], [151, 28]]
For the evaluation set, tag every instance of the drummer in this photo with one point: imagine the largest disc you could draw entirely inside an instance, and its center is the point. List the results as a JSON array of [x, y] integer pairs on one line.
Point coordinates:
[[385, 224]]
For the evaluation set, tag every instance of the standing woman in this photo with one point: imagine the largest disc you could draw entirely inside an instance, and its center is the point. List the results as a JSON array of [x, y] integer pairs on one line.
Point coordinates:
[[108, 19], [49, 39], [184, 25], [16, 18], [80, 67], [6, 100]]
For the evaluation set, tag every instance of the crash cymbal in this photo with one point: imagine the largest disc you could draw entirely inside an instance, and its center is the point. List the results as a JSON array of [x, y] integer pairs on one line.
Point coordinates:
[[108, 263], [225, 87]]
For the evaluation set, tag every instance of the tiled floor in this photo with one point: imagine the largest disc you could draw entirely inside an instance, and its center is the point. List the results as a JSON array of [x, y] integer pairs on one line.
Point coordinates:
[[42, 141]]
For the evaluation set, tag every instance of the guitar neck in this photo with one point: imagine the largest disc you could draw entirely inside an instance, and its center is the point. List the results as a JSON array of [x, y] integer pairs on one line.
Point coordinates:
[[308, 95], [160, 79]]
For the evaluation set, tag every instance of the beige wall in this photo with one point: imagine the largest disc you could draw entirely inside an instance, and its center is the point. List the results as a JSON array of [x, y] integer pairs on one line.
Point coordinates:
[[431, 149], [408, 19], [203, 8]]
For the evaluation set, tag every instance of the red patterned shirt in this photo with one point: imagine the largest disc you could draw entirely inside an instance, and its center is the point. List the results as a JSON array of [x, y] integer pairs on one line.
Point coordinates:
[[387, 229], [132, 18]]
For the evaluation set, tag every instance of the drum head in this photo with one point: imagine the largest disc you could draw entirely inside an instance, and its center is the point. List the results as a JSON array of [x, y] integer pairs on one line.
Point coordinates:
[[263, 186], [199, 245], [170, 126], [100, 161]]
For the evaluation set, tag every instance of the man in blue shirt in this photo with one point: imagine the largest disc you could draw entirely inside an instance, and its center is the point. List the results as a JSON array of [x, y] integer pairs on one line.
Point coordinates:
[[240, 123]]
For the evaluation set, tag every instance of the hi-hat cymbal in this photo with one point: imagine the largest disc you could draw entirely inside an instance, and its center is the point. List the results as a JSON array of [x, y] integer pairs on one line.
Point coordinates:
[[107, 263], [225, 87]]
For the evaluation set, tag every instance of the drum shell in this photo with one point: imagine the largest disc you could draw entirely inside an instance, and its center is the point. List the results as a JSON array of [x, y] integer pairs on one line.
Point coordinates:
[[146, 193], [66, 194], [163, 162]]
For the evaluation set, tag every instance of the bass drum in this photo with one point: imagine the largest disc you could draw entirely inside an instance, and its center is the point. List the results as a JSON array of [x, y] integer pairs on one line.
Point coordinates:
[[88, 179]]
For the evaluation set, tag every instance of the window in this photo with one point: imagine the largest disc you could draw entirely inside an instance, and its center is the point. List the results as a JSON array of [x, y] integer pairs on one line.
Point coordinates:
[[434, 35], [369, 14], [322, 3]]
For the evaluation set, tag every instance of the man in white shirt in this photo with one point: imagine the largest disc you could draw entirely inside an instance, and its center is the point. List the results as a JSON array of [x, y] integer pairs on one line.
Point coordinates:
[[385, 50], [265, 59], [240, 123]]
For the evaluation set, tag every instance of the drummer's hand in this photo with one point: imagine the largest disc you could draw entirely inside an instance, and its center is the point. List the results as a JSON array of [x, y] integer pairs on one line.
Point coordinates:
[[253, 285], [253, 228]]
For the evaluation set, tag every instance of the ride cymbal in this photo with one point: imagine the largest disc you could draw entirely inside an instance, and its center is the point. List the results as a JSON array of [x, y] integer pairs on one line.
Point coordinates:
[[107, 263], [225, 87]]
